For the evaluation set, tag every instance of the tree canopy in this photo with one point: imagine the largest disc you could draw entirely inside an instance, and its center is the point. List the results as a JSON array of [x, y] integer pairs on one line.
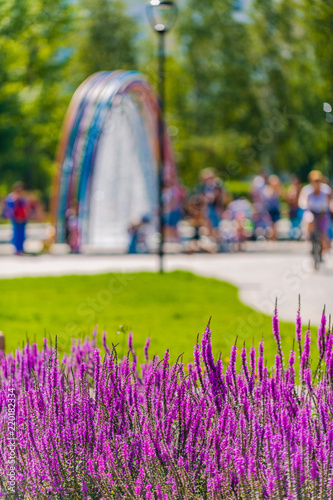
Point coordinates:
[[243, 92]]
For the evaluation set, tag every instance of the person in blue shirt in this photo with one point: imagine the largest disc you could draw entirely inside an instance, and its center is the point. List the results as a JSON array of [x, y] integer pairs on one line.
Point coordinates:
[[17, 210]]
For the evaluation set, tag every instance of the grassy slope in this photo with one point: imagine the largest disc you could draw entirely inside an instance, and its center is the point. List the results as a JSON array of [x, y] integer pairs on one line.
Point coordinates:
[[172, 309]]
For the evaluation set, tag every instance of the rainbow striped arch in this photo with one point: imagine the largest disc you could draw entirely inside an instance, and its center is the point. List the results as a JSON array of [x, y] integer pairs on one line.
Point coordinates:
[[108, 160]]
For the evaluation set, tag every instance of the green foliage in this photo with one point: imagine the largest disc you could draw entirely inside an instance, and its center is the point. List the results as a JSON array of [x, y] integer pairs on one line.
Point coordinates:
[[289, 81], [220, 105], [255, 95], [34, 52], [241, 93], [319, 16], [46, 49], [107, 40]]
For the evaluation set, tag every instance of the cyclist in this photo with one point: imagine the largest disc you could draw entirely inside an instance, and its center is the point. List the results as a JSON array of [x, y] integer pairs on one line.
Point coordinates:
[[315, 199]]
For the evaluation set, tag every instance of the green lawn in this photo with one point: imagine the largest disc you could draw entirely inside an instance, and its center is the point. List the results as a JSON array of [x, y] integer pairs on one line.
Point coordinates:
[[172, 309]]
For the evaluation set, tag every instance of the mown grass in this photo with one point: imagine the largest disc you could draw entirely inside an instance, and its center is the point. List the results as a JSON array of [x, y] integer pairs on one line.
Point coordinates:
[[172, 309]]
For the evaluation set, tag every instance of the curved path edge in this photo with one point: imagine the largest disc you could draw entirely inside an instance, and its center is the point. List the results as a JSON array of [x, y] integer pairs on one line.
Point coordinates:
[[260, 277]]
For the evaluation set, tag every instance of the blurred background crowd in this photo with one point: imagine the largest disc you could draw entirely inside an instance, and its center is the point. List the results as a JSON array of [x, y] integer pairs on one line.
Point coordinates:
[[208, 218], [214, 219]]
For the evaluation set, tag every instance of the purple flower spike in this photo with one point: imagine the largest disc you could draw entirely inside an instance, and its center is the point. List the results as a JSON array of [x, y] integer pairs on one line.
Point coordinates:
[[197, 362], [146, 349], [232, 363], [278, 368], [105, 346], [276, 330], [244, 363], [252, 360], [261, 361], [306, 353], [206, 349], [299, 331], [321, 334], [130, 341], [97, 364]]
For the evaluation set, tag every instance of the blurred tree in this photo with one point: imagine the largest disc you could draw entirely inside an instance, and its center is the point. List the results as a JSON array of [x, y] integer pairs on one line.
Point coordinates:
[[252, 97], [221, 102], [46, 49], [33, 95], [288, 84], [107, 37], [318, 16]]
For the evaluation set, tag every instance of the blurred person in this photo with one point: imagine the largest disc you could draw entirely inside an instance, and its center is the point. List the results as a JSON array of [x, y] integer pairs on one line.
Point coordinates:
[[50, 239], [138, 236], [17, 210], [258, 185], [212, 193], [262, 223], [195, 208], [315, 199], [330, 230], [72, 226], [36, 208], [272, 199], [295, 212], [228, 231], [240, 211], [172, 209]]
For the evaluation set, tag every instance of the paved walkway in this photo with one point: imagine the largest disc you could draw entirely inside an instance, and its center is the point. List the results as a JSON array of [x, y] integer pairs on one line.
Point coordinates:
[[282, 271]]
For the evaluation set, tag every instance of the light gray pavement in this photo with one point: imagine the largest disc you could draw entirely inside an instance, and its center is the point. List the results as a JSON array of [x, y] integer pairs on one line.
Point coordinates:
[[282, 270]]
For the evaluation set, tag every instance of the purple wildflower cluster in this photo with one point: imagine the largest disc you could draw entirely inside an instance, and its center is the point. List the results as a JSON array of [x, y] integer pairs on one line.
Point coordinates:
[[92, 426]]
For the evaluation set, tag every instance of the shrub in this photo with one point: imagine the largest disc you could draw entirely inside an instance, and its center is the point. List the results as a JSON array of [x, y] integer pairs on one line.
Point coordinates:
[[95, 427]]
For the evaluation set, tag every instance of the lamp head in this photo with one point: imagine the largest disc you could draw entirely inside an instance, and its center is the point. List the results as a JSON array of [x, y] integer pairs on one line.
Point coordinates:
[[161, 14]]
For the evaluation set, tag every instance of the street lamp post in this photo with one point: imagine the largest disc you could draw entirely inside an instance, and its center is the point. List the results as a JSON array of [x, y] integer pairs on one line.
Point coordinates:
[[329, 119], [162, 15]]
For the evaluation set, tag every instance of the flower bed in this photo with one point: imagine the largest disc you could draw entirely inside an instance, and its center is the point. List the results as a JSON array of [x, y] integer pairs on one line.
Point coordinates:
[[91, 426]]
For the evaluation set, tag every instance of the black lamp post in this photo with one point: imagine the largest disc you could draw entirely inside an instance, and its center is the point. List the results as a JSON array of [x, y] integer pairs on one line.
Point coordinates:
[[329, 119], [162, 15]]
